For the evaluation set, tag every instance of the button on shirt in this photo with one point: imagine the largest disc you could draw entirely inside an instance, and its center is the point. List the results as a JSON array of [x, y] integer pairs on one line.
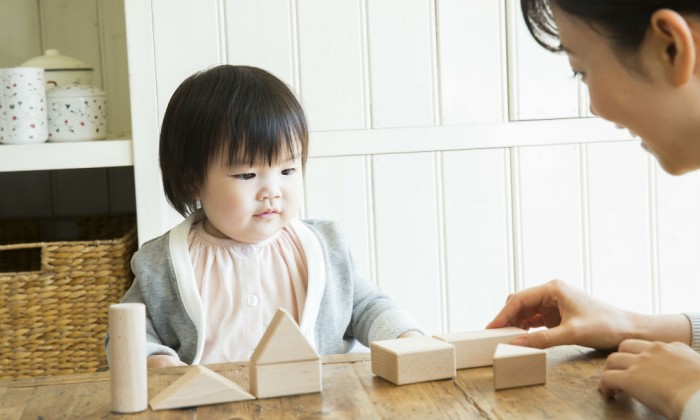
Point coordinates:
[[242, 285]]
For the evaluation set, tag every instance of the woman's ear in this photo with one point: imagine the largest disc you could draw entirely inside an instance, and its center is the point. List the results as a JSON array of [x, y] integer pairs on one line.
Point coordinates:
[[677, 44]]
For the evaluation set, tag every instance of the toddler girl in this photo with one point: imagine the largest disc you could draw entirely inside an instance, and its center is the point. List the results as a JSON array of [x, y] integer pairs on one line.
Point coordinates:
[[233, 147]]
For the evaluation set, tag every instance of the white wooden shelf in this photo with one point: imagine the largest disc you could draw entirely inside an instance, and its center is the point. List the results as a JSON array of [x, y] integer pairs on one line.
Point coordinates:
[[70, 155]]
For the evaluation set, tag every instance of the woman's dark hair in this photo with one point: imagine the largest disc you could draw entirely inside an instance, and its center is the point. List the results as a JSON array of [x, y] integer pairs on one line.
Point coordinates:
[[239, 113], [623, 22]]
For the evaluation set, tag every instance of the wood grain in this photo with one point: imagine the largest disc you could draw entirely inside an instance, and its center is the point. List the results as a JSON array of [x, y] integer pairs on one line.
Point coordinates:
[[349, 391]]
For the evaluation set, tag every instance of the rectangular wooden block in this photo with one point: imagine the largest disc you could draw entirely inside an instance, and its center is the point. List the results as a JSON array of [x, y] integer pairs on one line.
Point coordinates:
[[289, 378], [515, 366], [476, 348], [414, 359]]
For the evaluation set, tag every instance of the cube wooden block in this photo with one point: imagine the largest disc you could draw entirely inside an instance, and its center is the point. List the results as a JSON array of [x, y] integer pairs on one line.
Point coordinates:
[[279, 379], [413, 359], [515, 366], [476, 348]]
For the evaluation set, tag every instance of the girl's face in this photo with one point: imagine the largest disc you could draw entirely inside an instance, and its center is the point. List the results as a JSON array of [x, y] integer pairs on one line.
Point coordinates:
[[665, 115], [251, 203]]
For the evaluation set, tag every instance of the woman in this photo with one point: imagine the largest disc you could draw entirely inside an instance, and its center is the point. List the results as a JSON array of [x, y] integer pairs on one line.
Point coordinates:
[[641, 63]]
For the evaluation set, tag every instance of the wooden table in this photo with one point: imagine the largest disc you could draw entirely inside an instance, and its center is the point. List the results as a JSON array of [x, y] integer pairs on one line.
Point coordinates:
[[349, 391]]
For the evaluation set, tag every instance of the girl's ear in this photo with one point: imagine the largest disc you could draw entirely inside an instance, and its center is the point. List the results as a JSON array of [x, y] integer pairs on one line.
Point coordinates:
[[676, 43]]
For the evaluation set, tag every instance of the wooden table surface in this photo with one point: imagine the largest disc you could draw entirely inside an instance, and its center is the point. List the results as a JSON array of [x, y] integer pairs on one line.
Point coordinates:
[[350, 390]]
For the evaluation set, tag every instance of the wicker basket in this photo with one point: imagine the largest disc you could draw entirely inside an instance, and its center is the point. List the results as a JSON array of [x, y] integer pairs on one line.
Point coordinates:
[[55, 296]]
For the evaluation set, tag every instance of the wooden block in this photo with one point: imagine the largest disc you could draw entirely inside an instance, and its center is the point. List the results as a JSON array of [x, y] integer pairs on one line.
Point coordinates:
[[413, 359], [476, 348], [291, 378], [284, 362], [283, 342], [515, 366], [127, 371], [199, 386]]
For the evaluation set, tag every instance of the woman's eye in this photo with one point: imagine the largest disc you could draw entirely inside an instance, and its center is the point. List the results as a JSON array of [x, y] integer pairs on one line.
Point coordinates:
[[244, 176], [288, 171]]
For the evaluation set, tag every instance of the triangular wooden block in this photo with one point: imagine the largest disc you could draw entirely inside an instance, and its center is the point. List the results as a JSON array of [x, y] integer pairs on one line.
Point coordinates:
[[283, 342], [199, 386]]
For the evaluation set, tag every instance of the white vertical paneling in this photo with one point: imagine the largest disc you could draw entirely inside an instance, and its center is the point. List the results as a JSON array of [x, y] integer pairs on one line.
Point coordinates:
[[679, 247], [619, 224], [336, 189], [71, 26], [549, 220], [115, 72], [477, 231], [187, 39], [541, 83], [406, 222], [20, 32], [401, 37], [472, 61], [186, 36], [259, 33], [332, 63]]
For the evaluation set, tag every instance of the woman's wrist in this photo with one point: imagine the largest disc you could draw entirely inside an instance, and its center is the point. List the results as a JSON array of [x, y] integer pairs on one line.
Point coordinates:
[[666, 328]]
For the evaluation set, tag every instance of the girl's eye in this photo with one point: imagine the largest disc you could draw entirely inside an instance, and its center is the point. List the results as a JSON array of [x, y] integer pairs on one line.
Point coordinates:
[[288, 171], [244, 176]]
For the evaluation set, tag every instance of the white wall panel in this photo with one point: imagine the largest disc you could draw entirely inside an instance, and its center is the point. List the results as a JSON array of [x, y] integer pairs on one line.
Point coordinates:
[[82, 40], [186, 37], [115, 71], [477, 235], [679, 241], [548, 199], [620, 241], [337, 189], [20, 32], [406, 224], [401, 40], [259, 33], [541, 83], [332, 65], [472, 61]]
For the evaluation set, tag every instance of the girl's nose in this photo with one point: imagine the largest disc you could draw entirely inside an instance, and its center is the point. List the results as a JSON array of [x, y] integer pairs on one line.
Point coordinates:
[[269, 193]]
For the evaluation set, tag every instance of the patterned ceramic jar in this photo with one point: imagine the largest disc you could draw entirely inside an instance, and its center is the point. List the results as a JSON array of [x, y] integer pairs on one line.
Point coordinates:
[[22, 106], [77, 113]]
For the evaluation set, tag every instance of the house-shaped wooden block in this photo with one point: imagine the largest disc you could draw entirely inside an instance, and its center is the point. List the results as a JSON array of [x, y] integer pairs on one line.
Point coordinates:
[[515, 366], [284, 362], [199, 386], [413, 359], [476, 348]]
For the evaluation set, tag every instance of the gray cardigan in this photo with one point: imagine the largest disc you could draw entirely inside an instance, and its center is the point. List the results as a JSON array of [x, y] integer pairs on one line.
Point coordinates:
[[350, 307]]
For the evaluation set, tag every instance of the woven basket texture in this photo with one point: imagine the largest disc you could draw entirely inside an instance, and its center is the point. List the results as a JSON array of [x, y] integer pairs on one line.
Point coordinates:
[[55, 296]]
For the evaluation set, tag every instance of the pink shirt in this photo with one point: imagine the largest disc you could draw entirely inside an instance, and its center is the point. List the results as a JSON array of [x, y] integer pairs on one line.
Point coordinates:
[[242, 285]]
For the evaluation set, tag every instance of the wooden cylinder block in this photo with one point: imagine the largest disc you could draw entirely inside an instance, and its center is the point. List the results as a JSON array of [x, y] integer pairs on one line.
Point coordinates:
[[128, 371]]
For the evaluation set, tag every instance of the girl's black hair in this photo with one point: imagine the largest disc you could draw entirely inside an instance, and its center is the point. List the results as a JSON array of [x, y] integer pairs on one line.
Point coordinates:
[[240, 113], [623, 22]]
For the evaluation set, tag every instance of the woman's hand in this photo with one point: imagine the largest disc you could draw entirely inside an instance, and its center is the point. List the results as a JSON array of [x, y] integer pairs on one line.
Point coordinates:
[[662, 376], [163, 360], [571, 316]]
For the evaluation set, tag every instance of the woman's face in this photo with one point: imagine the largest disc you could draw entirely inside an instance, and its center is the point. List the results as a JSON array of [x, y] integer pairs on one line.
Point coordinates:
[[666, 116]]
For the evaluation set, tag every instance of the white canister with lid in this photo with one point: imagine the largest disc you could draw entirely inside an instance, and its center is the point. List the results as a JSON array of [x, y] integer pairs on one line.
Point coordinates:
[[76, 113], [61, 69]]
